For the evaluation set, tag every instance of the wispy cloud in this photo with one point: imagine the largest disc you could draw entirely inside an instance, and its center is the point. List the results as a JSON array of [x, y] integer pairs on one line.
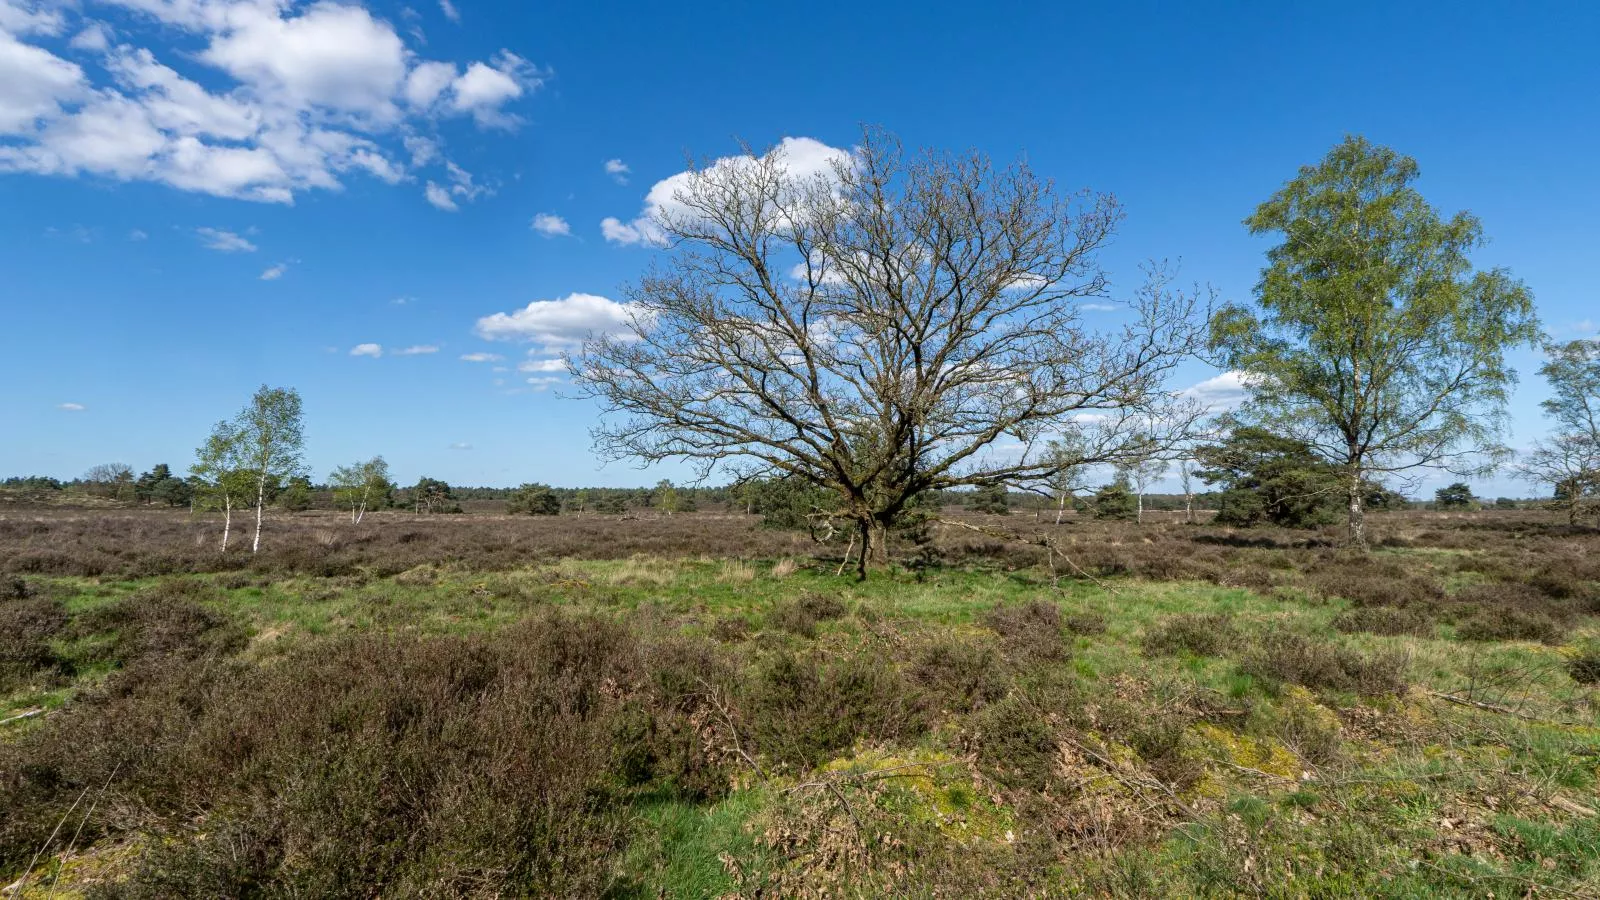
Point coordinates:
[[461, 445], [418, 350], [618, 170], [372, 350], [481, 357], [273, 273], [449, 10], [224, 241], [71, 407]]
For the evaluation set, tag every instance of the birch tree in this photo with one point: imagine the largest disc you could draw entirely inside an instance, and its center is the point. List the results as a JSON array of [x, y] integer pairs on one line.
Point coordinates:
[[1569, 460], [874, 331], [270, 441], [1372, 338], [220, 480], [360, 485]]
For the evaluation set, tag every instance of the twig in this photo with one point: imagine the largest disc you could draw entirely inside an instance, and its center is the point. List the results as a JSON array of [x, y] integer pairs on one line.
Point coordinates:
[[846, 561], [1478, 704]]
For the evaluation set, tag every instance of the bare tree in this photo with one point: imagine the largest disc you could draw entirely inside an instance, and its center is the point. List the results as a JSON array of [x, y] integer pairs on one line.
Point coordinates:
[[1569, 464], [1186, 478], [111, 480], [877, 329]]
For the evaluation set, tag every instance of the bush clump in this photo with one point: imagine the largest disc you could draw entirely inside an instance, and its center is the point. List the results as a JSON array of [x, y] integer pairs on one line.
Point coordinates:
[[1384, 620], [1029, 632], [803, 708], [1202, 634], [1288, 656], [803, 614], [961, 674], [26, 626]]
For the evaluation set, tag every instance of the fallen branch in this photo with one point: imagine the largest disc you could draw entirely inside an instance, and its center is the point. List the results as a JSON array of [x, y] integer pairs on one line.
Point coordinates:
[[1490, 707], [20, 716], [1040, 539]]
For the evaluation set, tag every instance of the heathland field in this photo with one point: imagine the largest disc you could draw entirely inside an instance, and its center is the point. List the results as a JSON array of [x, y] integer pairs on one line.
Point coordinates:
[[696, 706]]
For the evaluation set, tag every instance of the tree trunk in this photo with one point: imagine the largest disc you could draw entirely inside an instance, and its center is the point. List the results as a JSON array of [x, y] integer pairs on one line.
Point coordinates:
[[227, 519], [1061, 510], [1358, 511], [261, 501], [874, 546], [1138, 516]]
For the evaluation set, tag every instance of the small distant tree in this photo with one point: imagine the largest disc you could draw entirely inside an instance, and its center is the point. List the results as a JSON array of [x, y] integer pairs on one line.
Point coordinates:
[[432, 495], [361, 486], [220, 479], [992, 499], [1504, 503], [1269, 478], [1373, 340], [1454, 496], [270, 441], [144, 488], [534, 500], [1569, 461], [1143, 468], [666, 497], [296, 495], [1069, 476], [1569, 466], [113, 481], [1186, 478], [170, 490], [581, 501], [1115, 500]]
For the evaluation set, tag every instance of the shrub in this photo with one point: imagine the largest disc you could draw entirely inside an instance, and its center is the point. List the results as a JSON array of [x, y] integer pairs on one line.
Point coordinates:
[[26, 627], [1508, 623], [802, 615], [1384, 620], [1029, 632], [1584, 663], [1086, 622], [1288, 656], [1203, 634], [962, 674], [1016, 745], [804, 708], [159, 622]]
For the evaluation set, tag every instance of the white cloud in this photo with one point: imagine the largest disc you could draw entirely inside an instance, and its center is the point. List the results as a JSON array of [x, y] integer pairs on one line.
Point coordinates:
[[94, 38], [273, 273], [224, 241], [403, 301], [803, 159], [417, 350], [481, 357], [372, 350], [1097, 307], [461, 445], [618, 170], [551, 225], [137, 235], [284, 97], [543, 365], [1220, 393], [440, 197], [449, 10], [543, 383], [71, 407], [34, 84], [22, 17], [558, 324]]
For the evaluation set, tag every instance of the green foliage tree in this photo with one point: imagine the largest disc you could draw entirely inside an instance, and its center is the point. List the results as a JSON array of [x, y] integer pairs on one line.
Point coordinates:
[[296, 495], [1115, 500], [270, 442], [1569, 460], [992, 499], [433, 496], [171, 490], [220, 478], [361, 486], [534, 500], [1373, 340], [1454, 496], [1269, 478], [144, 488]]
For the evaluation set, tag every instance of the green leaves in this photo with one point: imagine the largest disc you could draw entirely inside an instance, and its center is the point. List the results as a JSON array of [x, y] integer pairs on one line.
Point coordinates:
[[1372, 339]]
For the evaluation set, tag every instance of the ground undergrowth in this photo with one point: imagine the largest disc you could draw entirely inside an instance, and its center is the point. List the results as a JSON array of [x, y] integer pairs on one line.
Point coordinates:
[[1249, 717]]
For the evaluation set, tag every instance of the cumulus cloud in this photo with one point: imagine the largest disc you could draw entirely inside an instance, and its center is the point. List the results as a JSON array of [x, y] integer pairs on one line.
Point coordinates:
[[279, 99], [557, 325], [1222, 392], [440, 197], [418, 350], [618, 170], [372, 350], [551, 225], [481, 357], [71, 407], [273, 273], [224, 241], [543, 365], [803, 158]]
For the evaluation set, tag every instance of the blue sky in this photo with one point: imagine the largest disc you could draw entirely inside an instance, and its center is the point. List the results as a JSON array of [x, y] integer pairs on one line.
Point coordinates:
[[199, 196]]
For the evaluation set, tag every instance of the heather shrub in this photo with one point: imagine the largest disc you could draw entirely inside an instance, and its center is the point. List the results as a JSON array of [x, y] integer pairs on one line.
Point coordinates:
[[960, 674], [1288, 656], [1388, 620], [26, 626], [803, 614], [1508, 623], [803, 708], [1208, 634], [1029, 632]]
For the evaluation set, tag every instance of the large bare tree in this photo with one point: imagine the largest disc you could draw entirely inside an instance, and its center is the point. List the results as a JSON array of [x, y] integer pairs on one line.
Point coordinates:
[[894, 325]]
